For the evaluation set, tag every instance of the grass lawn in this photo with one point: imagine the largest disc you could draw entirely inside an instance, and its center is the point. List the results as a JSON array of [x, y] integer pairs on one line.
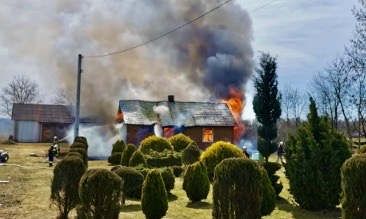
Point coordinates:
[[27, 193]]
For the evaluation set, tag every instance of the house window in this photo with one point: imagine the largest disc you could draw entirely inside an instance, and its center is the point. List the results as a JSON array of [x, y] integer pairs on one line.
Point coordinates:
[[207, 135]]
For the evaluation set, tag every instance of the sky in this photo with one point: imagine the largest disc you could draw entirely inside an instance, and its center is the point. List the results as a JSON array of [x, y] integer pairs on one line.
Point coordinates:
[[42, 39]]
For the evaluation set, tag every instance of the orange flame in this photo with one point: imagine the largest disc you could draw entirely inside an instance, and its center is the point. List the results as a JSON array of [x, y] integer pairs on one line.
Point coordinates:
[[236, 105], [119, 118], [168, 132]]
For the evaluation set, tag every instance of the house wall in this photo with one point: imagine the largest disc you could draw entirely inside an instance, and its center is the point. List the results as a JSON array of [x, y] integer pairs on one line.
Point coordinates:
[[136, 133], [220, 133], [27, 131]]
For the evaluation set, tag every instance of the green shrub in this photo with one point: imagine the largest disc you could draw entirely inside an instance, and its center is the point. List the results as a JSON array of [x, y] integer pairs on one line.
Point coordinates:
[[177, 170], [236, 193], [271, 169], [217, 152], [196, 183], [137, 159], [143, 170], [354, 187], [132, 181], [269, 195], [154, 200], [127, 153], [154, 143], [100, 191], [64, 188], [191, 154], [168, 178], [81, 139], [180, 141], [115, 158], [79, 145], [164, 160], [314, 157], [118, 147], [82, 152]]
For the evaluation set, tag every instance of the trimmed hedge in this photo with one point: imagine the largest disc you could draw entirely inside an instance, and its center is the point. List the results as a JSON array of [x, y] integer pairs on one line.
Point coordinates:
[[191, 154], [79, 145], [81, 139], [196, 183], [100, 191], [127, 153], [64, 188], [83, 153], [172, 159], [180, 141], [74, 154], [271, 168], [132, 181], [154, 200], [137, 159], [269, 195], [115, 158], [118, 147], [217, 152], [154, 143], [354, 187], [168, 178]]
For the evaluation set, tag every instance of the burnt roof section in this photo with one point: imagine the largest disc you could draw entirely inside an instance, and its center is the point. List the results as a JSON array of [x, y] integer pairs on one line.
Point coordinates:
[[42, 113], [185, 114]]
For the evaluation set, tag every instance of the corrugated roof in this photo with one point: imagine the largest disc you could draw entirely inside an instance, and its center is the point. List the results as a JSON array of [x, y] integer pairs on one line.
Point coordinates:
[[42, 113], [186, 114]]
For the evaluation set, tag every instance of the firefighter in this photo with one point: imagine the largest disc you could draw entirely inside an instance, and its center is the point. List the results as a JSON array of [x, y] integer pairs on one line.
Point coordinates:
[[50, 155], [55, 140], [56, 146]]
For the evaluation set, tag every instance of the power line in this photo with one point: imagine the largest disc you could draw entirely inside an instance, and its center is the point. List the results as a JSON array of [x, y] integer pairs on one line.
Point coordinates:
[[169, 32]]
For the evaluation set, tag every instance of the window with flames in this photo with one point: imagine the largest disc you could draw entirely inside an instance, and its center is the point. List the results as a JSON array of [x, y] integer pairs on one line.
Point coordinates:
[[207, 135]]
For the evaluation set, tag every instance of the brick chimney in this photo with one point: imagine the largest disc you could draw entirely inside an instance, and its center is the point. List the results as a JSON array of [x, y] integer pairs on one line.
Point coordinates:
[[170, 98]]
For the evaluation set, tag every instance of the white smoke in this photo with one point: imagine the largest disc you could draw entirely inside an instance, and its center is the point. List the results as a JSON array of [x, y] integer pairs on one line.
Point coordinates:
[[158, 129], [161, 110]]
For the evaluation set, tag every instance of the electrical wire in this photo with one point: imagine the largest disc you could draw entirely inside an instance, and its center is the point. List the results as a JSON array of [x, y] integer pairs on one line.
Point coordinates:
[[171, 31]]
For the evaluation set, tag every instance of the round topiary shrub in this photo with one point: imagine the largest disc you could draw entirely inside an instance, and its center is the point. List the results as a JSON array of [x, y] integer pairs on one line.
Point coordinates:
[[168, 178], [154, 143], [217, 152], [74, 154], [191, 154], [127, 153], [196, 182], [118, 147], [132, 181], [115, 158], [100, 191], [82, 152], [79, 145], [65, 182], [81, 139], [179, 142], [154, 200], [353, 187], [235, 189], [177, 170], [137, 159], [269, 195], [362, 150]]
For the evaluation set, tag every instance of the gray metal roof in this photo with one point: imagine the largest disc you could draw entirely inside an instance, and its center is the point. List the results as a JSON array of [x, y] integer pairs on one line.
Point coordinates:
[[186, 114], [42, 113]]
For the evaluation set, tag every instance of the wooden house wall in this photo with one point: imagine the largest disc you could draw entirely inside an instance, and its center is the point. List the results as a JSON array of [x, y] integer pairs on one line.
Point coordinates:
[[224, 133]]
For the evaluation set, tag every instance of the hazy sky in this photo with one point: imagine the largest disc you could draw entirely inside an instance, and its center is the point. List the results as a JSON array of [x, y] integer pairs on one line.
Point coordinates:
[[35, 36]]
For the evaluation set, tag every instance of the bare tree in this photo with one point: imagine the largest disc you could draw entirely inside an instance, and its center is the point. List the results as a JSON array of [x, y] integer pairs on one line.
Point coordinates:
[[293, 103], [64, 97], [22, 89]]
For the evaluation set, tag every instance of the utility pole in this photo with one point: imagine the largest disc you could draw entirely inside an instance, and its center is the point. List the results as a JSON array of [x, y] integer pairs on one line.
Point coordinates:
[[77, 111]]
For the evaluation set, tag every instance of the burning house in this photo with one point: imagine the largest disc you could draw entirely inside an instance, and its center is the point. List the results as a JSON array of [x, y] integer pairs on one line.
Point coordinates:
[[203, 122]]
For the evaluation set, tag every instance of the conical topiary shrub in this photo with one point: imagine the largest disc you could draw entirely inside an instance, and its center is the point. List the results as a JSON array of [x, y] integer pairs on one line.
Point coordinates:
[[137, 159], [196, 183], [118, 147], [191, 154], [127, 153], [269, 195], [154, 200], [100, 191], [65, 182], [216, 153]]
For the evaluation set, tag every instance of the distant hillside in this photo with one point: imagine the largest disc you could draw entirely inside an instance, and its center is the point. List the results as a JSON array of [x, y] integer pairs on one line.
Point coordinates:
[[6, 127]]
